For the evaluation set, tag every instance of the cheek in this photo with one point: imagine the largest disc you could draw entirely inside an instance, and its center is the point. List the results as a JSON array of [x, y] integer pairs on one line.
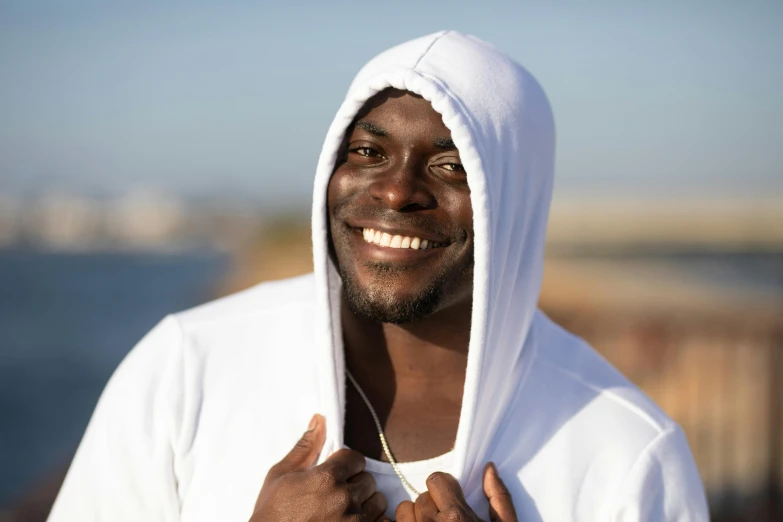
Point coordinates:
[[332, 191], [339, 193], [466, 217], [462, 210], [341, 186]]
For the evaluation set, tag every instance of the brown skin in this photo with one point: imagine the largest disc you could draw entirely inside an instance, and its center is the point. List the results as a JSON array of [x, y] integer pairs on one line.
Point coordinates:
[[398, 172], [337, 490], [444, 501], [404, 182]]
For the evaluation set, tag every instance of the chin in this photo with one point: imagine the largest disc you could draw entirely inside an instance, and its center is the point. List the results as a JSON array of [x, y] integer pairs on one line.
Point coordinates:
[[379, 302]]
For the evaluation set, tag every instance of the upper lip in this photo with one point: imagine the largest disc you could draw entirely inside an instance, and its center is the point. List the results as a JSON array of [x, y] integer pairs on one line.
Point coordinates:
[[400, 230]]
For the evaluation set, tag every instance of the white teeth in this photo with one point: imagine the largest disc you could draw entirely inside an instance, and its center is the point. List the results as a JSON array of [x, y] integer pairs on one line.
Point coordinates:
[[397, 241]]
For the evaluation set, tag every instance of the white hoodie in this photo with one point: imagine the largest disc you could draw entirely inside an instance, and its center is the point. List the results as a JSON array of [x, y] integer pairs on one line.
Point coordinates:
[[202, 407]]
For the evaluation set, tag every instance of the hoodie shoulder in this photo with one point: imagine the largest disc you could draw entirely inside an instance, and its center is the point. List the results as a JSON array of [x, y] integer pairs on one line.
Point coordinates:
[[580, 432], [266, 325], [568, 358], [263, 298]]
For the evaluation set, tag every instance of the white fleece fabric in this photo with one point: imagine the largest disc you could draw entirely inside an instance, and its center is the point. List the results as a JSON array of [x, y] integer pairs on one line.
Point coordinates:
[[192, 420]]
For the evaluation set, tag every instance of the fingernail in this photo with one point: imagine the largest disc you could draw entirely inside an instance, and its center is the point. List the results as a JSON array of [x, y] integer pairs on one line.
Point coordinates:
[[313, 423]]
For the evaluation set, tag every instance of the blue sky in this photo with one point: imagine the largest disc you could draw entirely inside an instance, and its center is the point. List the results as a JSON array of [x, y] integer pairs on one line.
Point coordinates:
[[673, 98]]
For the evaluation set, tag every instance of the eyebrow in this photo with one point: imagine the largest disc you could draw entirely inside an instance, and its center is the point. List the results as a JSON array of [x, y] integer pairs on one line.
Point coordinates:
[[441, 143], [444, 143], [372, 128]]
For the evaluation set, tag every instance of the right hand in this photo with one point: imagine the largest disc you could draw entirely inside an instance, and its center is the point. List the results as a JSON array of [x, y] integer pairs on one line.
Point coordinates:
[[337, 490]]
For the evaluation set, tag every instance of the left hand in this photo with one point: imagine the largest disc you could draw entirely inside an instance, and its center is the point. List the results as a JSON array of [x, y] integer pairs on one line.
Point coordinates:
[[445, 501]]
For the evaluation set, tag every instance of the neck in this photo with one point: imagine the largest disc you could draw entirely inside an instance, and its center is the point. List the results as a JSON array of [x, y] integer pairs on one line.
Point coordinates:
[[426, 351], [413, 375]]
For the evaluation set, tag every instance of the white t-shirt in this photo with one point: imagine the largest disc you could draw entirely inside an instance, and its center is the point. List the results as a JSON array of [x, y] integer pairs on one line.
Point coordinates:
[[388, 483]]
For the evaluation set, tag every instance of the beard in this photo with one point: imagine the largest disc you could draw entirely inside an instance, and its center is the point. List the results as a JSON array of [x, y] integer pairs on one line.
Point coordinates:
[[377, 304], [377, 301]]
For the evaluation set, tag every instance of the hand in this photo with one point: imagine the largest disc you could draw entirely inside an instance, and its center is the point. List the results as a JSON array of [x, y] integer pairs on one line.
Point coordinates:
[[337, 490], [444, 501]]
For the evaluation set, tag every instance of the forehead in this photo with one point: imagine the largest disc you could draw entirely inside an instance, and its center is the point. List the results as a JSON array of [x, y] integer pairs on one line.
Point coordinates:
[[392, 108]]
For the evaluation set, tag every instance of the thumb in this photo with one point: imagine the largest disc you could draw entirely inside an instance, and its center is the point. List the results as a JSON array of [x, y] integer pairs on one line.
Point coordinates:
[[305, 453], [501, 507]]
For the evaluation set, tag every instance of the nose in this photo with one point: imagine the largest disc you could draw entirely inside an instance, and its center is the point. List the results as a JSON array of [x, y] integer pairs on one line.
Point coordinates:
[[402, 188]]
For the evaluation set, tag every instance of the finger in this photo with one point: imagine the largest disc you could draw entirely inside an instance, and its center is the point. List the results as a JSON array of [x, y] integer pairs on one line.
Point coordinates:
[[446, 491], [343, 464], [501, 506], [362, 487], [305, 453], [425, 508], [405, 512], [374, 507]]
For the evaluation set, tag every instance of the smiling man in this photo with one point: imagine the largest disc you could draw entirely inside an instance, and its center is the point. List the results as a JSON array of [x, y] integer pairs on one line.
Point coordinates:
[[439, 391]]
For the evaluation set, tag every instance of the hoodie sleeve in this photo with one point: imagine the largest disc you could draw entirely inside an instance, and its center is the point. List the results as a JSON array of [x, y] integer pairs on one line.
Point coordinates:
[[124, 467], [663, 485]]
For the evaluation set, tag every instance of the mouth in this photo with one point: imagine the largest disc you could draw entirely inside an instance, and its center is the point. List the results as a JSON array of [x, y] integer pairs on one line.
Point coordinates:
[[399, 241]]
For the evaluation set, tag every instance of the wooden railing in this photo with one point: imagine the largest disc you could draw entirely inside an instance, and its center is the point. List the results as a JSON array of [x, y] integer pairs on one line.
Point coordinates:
[[720, 377]]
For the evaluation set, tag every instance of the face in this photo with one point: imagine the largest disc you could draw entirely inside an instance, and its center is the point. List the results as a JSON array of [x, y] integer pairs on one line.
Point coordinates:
[[400, 216]]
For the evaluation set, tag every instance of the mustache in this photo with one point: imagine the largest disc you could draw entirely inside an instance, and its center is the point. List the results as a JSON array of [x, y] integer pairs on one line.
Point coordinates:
[[346, 212]]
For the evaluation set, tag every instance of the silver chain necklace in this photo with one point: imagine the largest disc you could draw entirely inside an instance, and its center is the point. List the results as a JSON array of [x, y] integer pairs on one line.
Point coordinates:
[[378, 426]]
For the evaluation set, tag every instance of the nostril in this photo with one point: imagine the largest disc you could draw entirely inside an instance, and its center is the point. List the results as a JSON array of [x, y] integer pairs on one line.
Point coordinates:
[[412, 207]]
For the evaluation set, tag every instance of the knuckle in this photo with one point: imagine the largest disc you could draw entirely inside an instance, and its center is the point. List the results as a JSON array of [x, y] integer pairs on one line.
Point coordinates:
[[284, 480], [332, 470], [404, 508], [453, 515], [367, 480], [287, 482], [343, 499], [275, 470], [324, 479], [374, 506]]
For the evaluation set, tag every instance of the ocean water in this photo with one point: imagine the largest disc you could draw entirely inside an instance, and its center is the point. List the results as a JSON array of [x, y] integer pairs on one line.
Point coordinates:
[[66, 321]]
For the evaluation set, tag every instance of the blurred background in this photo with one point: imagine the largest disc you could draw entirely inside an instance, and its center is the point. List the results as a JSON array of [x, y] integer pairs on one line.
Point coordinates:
[[154, 156]]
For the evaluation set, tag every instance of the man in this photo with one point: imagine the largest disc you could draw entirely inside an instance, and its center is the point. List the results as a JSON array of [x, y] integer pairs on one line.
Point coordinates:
[[416, 341]]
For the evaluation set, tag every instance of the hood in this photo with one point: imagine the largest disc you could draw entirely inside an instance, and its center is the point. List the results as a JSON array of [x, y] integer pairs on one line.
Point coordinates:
[[502, 125]]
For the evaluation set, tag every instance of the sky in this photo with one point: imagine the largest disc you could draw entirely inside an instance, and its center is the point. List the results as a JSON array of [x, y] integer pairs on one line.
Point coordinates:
[[669, 98]]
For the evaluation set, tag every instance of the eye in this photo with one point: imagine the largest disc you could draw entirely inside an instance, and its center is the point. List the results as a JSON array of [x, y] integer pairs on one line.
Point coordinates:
[[450, 170], [453, 167], [365, 152]]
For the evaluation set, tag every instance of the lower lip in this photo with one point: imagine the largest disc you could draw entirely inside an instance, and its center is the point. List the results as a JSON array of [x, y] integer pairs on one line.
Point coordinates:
[[388, 254]]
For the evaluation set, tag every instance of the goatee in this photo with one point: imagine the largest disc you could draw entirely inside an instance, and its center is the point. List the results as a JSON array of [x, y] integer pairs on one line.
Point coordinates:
[[377, 304]]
